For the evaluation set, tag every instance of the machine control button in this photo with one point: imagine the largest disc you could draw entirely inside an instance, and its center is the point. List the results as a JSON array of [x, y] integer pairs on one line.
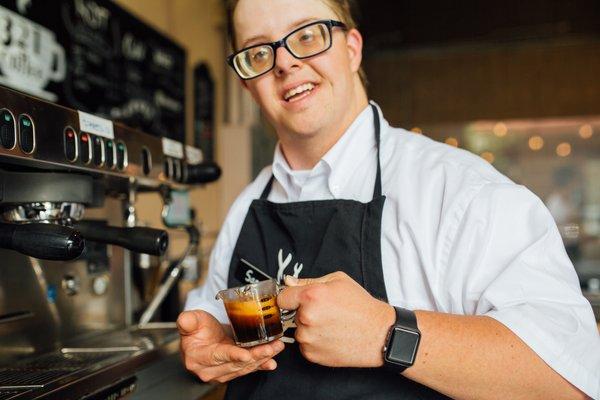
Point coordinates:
[[109, 150], [85, 146], [146, 161], [121, 156], [8, 129], [70, 285], [26, 134], [98, 152], [168, 167], [177, 169], [70, 138], [100, 285]]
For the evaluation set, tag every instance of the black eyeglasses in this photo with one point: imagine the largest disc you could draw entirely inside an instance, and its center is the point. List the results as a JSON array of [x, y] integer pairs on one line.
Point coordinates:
[[304, 42]]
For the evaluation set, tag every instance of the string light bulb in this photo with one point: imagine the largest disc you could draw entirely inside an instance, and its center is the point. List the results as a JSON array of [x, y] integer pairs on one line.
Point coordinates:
[[563, 149], [452, 141], [536, 143], [500, 129]]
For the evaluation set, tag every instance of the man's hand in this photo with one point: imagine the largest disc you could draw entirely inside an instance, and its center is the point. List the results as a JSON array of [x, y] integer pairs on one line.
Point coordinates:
[[212, 355], [339, 323]]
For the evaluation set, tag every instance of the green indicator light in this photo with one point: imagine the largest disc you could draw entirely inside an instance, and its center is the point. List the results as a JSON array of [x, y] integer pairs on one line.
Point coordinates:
[[26, 122], [109, 144], [120, 146], [7, 117]]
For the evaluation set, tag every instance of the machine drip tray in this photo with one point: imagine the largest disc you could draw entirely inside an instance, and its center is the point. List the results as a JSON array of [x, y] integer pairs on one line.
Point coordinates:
[[88, 364], [37, 373], [9, 394]]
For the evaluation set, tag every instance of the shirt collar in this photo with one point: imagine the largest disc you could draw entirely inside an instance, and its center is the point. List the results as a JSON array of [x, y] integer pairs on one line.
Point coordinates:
[[340, 162], [346, 156]]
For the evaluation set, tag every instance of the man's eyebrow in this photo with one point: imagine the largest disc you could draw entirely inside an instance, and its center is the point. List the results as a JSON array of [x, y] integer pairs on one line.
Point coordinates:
[[258, 39]]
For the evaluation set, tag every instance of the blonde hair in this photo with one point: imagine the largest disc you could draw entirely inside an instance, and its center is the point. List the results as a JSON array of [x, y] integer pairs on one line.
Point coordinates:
[[341, 8]]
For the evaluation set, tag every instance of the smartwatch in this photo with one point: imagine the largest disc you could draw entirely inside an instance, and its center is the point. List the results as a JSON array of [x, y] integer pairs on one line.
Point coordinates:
[[402, 342]]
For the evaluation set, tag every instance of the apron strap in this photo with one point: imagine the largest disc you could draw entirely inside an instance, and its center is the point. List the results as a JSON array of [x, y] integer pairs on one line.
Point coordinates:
[[377, 189], [267, 189]]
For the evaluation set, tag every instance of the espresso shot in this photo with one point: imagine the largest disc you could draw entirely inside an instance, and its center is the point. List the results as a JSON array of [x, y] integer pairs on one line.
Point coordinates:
[[254, 321]]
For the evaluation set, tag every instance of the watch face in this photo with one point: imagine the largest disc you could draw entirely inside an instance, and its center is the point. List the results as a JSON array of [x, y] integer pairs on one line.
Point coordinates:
[[403, 346]]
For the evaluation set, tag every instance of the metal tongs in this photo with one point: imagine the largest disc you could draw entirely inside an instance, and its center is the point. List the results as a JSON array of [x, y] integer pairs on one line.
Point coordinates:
[[255, 268]]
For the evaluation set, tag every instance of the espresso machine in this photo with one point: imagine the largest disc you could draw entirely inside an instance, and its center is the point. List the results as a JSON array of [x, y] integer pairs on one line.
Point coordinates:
[[69, 241]]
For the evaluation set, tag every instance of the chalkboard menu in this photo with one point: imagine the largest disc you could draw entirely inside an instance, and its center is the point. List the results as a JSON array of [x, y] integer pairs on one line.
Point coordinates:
[[94, 56]]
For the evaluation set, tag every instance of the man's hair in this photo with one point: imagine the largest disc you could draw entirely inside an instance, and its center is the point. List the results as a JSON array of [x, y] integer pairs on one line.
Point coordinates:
[[342, 8]]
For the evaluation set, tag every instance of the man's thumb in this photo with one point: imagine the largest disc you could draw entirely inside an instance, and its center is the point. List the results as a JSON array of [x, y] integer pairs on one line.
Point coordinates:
[[188, 322], [290, 280]]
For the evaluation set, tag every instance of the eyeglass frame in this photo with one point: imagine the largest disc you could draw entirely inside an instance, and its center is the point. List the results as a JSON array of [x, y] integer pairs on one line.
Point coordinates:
[[330, 23]]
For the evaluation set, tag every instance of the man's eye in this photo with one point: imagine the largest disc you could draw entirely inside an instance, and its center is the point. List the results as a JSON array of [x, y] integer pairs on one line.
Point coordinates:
[[307, 37], [260, 55]]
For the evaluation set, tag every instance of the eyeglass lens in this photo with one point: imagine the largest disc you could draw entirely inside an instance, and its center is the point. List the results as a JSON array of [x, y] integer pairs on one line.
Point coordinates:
[[306, 42]]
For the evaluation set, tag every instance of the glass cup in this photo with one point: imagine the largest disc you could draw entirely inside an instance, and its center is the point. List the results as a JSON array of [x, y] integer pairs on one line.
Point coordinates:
[[253, 312]]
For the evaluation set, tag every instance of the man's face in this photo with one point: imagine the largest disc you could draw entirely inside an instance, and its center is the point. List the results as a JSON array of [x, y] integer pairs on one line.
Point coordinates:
[[328, 78]]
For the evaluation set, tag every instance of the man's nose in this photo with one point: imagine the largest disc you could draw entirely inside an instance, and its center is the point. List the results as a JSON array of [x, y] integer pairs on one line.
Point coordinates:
[[285, 62]]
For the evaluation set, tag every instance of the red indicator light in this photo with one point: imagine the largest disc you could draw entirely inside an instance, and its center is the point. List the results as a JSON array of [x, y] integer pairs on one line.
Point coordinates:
[[70, 134], [84, 138]]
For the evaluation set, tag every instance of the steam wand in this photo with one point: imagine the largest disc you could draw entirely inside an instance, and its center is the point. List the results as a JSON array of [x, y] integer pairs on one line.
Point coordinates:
[[171, 276]]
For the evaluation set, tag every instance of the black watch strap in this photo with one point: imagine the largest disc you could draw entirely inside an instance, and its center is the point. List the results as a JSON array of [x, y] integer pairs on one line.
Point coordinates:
[[402, 341], [406, 318]]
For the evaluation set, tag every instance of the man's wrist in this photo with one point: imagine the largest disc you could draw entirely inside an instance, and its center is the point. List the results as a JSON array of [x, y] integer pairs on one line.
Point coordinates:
[[388, 318]]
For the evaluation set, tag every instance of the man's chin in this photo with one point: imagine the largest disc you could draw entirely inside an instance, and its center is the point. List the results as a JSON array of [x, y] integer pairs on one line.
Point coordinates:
[[302, 131]]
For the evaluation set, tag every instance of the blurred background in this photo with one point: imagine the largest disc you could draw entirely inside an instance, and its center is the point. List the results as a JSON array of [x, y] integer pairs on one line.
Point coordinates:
[[515, 82]]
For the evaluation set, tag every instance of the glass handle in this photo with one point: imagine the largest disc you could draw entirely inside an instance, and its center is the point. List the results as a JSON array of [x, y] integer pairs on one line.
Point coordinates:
[[287, 315]]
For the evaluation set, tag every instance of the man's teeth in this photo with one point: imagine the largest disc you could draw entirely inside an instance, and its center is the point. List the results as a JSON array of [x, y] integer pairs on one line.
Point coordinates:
[[298, 90]]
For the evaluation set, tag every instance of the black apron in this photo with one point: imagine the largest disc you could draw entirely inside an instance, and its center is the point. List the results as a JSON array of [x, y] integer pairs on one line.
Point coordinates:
[[309, 239]]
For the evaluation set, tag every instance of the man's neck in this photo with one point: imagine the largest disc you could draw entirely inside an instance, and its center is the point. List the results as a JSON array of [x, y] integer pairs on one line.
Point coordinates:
[[305, 152]]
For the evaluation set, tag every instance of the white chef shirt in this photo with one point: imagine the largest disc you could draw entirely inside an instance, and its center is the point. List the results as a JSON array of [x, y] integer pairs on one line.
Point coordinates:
[[457, 237]]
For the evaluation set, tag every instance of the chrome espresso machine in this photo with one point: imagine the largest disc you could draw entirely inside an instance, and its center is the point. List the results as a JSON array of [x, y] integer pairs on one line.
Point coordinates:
[[67, 324]]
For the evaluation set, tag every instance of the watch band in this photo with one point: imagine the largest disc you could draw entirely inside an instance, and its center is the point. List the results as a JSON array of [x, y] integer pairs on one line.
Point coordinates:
[[405, 318]]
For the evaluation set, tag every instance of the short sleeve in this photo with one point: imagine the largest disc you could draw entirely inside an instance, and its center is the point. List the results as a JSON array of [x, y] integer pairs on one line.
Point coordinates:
[[508, 262]]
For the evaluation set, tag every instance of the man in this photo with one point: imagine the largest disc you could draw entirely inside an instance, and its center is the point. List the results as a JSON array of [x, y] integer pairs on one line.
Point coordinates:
[[399, 243]]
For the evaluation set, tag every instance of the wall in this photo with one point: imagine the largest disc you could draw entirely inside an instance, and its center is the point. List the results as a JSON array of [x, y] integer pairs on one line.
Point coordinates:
[[531, 79]]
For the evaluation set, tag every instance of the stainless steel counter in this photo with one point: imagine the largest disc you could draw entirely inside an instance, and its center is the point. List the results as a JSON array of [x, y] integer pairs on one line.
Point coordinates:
[[168, 379]]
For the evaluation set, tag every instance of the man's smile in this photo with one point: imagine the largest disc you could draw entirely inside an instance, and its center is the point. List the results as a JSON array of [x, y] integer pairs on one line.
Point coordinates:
[[298, 92]]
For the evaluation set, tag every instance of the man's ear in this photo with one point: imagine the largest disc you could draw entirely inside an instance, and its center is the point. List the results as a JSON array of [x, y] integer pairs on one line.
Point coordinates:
[[354, 44]]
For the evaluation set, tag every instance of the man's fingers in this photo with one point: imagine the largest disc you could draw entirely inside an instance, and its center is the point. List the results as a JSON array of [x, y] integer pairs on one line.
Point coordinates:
[[289, 298], [267, 350], [269, 365], [229, 361], [231, 370], [224, 353]]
